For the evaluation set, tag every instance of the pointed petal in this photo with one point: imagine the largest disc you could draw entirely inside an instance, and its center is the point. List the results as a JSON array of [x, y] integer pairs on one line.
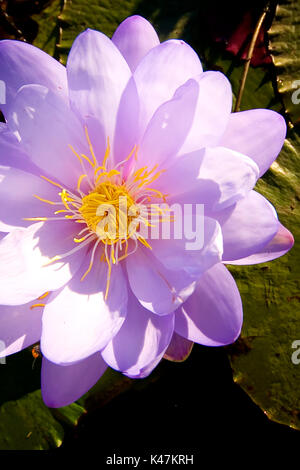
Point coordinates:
[[247, 227], [213, 315], [134, 37], [280, 244], [258, 133], [62, 385]]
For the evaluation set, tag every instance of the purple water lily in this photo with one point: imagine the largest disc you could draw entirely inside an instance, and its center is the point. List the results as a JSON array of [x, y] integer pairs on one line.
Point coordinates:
[[132, 120]]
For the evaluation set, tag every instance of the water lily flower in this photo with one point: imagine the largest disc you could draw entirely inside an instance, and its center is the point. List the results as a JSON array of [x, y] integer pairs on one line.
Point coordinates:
[[135, 121]]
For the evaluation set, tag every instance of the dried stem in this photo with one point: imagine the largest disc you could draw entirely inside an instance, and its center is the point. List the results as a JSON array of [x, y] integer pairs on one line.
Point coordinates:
[[249, 57]]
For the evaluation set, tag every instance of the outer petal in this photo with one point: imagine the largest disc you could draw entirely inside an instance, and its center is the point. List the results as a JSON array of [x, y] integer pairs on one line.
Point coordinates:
[[20, 327], [25, 272], [78, 321], [280, 244], [62, 385], [22, 63], [258, 133], [134, 37], [169, 126], [213, 314], [161, 72], [143, 339], [158, 289], [47, 127], [248, 227], [97, 76], [212, 112]]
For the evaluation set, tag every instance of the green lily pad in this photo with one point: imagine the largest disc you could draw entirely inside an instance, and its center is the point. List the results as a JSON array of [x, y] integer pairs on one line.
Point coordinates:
[[69, 415], [262, 358], [27, 424], [285, 47], [49, 30], [76, 16]]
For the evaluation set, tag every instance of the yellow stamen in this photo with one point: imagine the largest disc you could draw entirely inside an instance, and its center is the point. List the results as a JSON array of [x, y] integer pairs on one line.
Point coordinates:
[[81, 177], [35, 218], [51, 182], [37, 305], [43, 296], [88, 160], [90, 146], [45, 200], [143, 241], [106, 155], [76, 154]]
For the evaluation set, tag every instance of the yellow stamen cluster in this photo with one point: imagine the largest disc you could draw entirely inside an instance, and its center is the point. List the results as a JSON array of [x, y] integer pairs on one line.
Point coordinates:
[[109, 209], [109, 195]]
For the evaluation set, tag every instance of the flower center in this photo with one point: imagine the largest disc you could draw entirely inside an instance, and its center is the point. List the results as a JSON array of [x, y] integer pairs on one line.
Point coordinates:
[[110, 212]]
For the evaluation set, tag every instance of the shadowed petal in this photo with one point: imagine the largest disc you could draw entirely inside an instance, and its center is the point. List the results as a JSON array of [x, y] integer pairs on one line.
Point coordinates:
[[141, 341], [213, 314], [258, 133], [62, 385], [134, 37], [179, 348]]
